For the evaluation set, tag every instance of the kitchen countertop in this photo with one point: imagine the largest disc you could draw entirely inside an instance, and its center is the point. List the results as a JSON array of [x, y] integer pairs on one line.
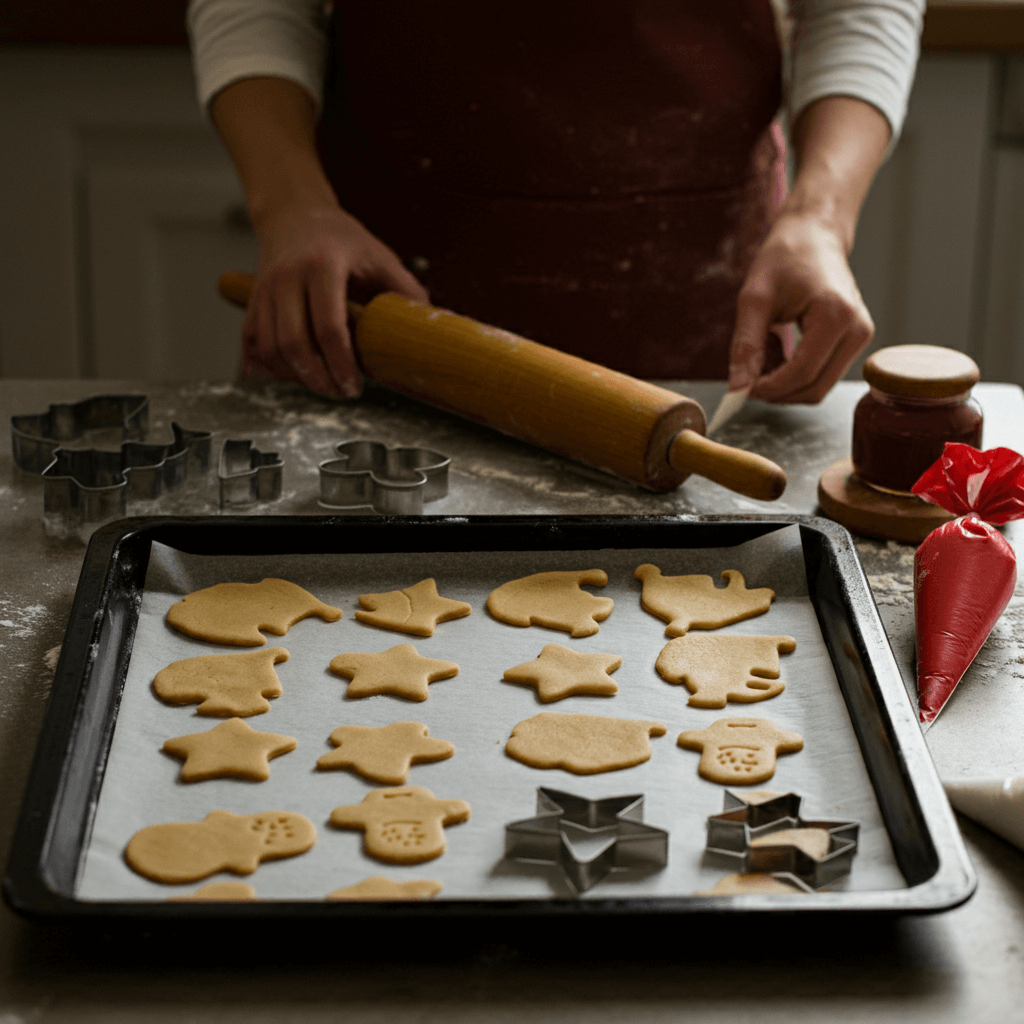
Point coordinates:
[[966, 964]]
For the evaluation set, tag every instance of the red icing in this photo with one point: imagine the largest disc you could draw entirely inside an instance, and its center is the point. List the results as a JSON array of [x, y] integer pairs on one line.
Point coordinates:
[[965, 571]]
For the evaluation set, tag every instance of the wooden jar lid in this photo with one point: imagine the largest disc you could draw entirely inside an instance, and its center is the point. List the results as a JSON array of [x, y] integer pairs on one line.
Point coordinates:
[[921, 371]]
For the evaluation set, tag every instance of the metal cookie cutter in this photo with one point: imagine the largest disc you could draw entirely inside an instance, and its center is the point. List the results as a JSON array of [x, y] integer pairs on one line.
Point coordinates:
[[395, 481], [91, 486], [35, 436], [744, 833], [248, 475], [588, 839]]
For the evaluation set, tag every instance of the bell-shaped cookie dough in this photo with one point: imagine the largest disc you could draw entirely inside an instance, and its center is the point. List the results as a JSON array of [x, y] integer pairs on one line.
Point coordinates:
[[185, 851], [417, 609], [553, 599], [694, 602], [724, 667], [234, 613]]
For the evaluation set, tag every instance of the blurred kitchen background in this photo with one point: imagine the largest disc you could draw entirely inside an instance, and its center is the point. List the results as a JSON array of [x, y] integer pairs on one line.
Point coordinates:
[[119, 209]]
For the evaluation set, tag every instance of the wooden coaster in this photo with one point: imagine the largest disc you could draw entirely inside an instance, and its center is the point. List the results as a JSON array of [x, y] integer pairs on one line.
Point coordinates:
[[860, 508]]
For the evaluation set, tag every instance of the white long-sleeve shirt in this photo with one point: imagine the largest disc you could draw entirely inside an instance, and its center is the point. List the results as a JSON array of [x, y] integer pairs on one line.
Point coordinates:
[[866, 49]]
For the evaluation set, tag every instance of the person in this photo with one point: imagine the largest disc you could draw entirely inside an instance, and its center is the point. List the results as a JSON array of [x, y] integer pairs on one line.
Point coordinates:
[[606, 178]]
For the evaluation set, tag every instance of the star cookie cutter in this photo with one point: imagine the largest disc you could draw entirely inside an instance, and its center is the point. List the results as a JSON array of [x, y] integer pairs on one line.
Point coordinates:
[[248, 475], [587, 839], [394, 481], [741, 833]]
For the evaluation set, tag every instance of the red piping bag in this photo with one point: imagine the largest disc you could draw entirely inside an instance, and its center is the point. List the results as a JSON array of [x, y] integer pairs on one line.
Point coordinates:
[[964, 571]]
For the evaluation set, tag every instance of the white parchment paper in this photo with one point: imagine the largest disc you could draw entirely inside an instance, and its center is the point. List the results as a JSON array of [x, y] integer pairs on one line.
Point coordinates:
[[476, 711]]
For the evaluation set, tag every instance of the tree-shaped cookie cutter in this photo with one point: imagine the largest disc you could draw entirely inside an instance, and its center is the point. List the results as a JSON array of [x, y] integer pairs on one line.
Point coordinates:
[[394, 481], [587, 839], [746, 818], [248, 475]]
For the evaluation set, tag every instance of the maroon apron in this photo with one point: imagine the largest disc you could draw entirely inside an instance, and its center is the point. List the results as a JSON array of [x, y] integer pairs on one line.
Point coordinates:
[[596, 176]]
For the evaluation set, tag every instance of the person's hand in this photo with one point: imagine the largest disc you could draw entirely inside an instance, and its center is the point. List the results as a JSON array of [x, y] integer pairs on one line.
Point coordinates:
[[296, 326], [800, 275]]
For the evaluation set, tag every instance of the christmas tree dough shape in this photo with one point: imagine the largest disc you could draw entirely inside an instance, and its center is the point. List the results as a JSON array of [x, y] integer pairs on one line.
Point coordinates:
[[553, 599], [562, 672], [725, 667], [694, 602], [234, 613], [224, 685], [417, 609]]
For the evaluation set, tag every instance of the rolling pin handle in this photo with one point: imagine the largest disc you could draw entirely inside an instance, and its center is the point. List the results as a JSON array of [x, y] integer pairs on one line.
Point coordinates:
[[236, 287], [740, 471]]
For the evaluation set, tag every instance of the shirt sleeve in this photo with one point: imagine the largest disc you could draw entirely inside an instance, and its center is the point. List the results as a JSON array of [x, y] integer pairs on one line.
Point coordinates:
[[233, 39], [866, 49]]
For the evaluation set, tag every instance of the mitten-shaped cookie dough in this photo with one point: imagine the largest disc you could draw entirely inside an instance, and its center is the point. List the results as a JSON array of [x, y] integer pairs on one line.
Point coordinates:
[[417, 609], [694, 602], [721, 667], [185, 851], [553, 599], [402, 825], [739, 751], [223, 685]]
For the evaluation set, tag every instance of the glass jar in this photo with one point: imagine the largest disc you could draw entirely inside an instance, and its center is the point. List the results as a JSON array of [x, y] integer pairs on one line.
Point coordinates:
[[919, 398]]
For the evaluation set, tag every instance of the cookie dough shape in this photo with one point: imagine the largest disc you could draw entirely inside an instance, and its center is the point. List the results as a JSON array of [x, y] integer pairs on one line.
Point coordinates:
[[555, 600], [694, 602], [815, 842], [582, 744], [751, 882], [234, 613], [186, 851], [380, 888], [402, 825], [219, 891], [399, 670], [231, 750], [417, 609], [386, 753], [224, 685], [739, 751], [720, 668], [561, 672]]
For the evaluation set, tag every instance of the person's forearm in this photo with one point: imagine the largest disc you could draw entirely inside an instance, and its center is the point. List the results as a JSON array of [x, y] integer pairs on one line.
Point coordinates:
[[268, 126], [839, 144]]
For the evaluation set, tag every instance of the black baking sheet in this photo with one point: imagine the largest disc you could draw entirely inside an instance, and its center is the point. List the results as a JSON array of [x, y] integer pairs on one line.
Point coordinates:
[[54, 830]]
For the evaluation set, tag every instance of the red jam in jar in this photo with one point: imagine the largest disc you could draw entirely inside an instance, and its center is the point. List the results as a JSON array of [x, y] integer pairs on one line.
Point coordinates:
[[920, 398]]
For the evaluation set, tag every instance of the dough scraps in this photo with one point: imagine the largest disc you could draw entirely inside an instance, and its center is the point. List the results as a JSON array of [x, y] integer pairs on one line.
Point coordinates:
[[234, 613], [753, 882], [417, 609], [815, 842], [694, 602], [386, 753], [721, 667], [582, 744], [562, 672], [219, 891], [553, 599], [402, 825], [380, 888], [232, 749], [399, 670], [186, 851], [224, 685], [739, 751]]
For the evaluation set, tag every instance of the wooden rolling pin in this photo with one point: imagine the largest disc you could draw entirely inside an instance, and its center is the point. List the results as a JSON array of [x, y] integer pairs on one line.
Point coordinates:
[[570, 406]]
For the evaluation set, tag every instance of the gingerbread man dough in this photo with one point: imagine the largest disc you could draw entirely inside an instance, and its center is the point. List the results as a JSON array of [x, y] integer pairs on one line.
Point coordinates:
[[402, 825], [553, 599], [720, 668], [694, 602], [739, 751]]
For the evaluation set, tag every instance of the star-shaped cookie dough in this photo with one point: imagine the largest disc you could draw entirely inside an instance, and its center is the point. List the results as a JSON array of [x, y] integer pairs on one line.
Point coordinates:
[[232, 749], [384, 754], [416, 609], [399, 670], [561, 672]]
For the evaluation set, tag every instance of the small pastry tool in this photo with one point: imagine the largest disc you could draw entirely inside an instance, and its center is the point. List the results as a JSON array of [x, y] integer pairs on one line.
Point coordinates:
[[730, 404], [394, 481], [919, 400], [587, 839], [248, 475], [762, 831]]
